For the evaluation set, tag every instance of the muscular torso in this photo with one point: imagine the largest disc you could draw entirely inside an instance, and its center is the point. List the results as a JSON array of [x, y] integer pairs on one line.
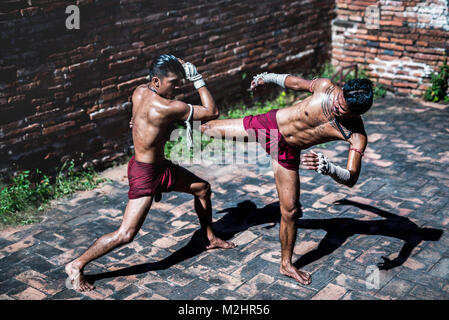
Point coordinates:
[[151, 129], [305, 124]]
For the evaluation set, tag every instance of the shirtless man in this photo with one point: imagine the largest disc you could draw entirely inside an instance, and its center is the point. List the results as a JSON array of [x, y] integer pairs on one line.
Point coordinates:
[[331, 113], [149, 173]]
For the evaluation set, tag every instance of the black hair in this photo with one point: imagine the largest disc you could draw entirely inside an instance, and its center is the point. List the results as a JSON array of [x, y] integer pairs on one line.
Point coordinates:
[[358, 94], [164, 64]]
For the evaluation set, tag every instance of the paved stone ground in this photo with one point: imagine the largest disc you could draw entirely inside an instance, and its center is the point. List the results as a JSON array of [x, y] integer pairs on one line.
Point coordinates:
[[397, 214]]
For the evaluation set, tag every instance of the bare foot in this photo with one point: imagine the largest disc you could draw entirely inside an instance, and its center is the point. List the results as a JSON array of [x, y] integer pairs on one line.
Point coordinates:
[[301, 276], [76, 278], [218, 243]]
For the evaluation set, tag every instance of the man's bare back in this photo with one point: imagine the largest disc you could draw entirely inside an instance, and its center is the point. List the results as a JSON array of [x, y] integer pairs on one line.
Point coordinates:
[[150, 127]]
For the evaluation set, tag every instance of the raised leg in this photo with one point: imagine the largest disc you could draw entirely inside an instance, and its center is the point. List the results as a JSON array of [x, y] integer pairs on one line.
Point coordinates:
[[227, 129]]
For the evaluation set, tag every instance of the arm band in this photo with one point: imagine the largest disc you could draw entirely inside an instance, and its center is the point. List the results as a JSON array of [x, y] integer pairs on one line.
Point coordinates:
[[189, 131], [199, 83], [357, 150]]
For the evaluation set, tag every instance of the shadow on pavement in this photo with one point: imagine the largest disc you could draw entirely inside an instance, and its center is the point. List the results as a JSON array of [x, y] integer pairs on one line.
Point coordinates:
[[246, 215], [340, 229], [236, 219]]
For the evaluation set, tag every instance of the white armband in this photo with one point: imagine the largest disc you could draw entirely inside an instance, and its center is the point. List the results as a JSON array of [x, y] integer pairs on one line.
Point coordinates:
[[189, 131], [337, 173], [199, 83]]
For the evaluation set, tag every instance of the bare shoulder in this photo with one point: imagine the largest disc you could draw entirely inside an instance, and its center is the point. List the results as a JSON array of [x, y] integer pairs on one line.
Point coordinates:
[[139, 94], [139, 91], [170, 109], [322, 84]]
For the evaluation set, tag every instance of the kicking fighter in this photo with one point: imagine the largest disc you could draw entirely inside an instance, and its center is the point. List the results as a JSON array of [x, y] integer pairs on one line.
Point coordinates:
[[154, 114], [330, 113]]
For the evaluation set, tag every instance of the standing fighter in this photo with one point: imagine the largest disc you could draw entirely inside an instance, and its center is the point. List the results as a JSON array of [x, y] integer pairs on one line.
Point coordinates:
[[149, 173], [331, 113]]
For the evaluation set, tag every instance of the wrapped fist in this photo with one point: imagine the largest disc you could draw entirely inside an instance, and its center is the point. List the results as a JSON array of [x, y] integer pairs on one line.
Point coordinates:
[[193, 75]]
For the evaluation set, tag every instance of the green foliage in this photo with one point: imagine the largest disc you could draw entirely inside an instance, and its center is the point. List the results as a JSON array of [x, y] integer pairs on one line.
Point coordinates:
[[328, 71], [379, 91], [22, 198], [438, 91], [241, 110], [176, 145]]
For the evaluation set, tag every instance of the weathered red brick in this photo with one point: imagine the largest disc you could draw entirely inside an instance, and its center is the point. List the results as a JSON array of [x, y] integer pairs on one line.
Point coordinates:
[[58, 127], [401, 84], [132, 83], [122, 64]]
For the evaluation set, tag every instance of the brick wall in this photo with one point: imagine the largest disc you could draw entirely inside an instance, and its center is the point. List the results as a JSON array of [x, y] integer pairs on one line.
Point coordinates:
[[63, 93], [399, 43]]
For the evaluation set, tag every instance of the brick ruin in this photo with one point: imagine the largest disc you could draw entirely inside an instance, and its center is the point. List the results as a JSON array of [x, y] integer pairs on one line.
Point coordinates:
[[398, 43], [64, 93]]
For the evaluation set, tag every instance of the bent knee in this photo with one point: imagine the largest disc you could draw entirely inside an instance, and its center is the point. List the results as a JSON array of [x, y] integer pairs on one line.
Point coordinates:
[[126, 236], [203, 190]]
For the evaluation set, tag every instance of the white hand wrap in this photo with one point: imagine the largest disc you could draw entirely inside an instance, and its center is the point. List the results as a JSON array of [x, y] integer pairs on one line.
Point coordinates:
[[193, 75], [279, 79], [328, 168], [189, 131]]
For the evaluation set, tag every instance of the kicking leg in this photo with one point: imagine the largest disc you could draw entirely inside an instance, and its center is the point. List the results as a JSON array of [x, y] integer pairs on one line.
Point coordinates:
[[287, 185], [135, 214], [189, 183], [228, 128]]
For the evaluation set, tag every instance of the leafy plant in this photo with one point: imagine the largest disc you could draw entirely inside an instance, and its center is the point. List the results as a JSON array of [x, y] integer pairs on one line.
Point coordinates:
[[379, 91], [438, 91], [29, 192]]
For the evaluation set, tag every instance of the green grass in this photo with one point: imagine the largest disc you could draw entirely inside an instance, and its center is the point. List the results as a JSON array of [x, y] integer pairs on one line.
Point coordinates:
[[241, 110], [30, 192]]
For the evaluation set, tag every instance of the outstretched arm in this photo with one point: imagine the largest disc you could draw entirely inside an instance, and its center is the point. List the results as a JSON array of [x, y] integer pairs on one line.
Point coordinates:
[[299, 84], [403, 255], [289, 81]]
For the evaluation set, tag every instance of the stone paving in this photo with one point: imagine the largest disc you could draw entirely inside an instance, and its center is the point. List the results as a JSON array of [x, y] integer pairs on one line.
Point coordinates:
[[385, 238]]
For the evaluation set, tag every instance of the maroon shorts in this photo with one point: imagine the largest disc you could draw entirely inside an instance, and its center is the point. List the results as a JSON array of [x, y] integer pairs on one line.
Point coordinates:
[[147, 179], [265, 129]]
